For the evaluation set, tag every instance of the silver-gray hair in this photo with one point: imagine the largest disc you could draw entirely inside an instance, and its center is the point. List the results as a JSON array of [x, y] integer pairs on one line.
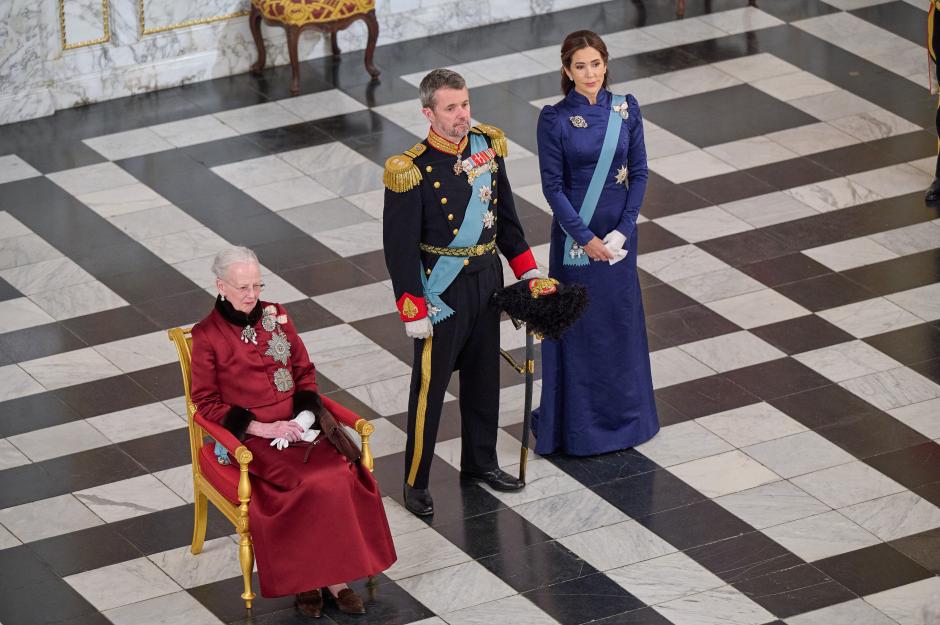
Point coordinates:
[[229, 256], [438, 79]]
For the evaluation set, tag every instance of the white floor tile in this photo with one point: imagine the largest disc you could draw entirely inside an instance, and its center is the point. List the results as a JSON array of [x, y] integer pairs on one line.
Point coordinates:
[[682, 442], [673, 366], [847, 484], [812, 138], [731, 351], [798, 454], [845, 361], [794, 85], [702, 224], [570, 513], [617, 545], [721, 605], [122, 584], [821, 536], [894, 388], [756, 66], [48, 517], [725, 473], [751, 152], [12, 167], [217, 561], [832, 194], [58, 440], [477, 585], [257, 117], [146, 420], [689, 166], [665, 578], [855, 612], [193, 130], [321, 104], [869, 317], [923, 301], [911, 604], [752, 424], [180, 608], [758, 308], [909, 239], [717, 285], [771, 504], [128, 144], [679, 262], [895, 516], [129, 498], [70, 368], [255, 172], [850, 254]]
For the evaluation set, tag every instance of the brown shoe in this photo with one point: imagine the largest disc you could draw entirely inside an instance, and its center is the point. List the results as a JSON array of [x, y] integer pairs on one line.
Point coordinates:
[[310, 603], [349, 602]]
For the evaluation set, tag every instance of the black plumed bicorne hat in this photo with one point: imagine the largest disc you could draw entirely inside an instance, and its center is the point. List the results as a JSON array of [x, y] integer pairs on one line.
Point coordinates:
[[545, 304]]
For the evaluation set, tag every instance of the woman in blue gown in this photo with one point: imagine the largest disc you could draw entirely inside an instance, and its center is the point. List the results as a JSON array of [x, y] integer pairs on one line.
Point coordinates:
[[597, 389]]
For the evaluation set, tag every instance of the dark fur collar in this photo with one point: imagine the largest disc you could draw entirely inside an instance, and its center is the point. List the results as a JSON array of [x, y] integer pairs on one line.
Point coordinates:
[[237, 317]]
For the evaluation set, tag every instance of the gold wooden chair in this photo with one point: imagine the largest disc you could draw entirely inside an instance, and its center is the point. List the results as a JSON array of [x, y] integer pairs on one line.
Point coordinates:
[[228, 486]]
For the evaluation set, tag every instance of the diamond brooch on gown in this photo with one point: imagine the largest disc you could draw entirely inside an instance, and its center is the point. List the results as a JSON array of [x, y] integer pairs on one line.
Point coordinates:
[[577, 121]]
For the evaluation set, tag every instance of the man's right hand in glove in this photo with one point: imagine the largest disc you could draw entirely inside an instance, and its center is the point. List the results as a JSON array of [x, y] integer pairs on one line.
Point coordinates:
[[419, 329]]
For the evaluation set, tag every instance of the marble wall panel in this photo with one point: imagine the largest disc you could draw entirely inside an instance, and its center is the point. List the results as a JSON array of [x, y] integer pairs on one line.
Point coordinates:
[[157, 15], [83, 22]]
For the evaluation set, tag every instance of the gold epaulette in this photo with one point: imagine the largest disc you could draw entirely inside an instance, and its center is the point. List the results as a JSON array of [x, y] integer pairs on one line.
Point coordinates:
[[401, 173], [497, 138]]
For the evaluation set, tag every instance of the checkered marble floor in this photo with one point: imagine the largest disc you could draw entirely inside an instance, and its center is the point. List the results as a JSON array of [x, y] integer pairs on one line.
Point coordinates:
[[791, 278]]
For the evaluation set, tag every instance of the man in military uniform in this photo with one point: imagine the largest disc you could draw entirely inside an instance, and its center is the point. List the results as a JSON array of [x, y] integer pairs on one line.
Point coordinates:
[[448, 209], [933, 48]]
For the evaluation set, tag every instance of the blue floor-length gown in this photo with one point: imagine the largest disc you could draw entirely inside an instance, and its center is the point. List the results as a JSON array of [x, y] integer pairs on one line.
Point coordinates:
[[597, 389]]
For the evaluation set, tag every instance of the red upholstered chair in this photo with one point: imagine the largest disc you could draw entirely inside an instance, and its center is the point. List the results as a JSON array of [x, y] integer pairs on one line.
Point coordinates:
[[324, 15], [228, 486]]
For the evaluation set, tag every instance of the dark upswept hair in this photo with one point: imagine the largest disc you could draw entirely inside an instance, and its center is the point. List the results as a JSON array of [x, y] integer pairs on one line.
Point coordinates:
[[439, 78], [578, 40]]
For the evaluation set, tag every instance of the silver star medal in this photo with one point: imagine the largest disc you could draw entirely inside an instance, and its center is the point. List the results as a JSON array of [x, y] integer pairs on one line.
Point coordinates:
[[278, 348], [249, 335], [623, 109], [283, 380], [485, 194], [622, 175], [489, 218], [268, 322], [577, 121]]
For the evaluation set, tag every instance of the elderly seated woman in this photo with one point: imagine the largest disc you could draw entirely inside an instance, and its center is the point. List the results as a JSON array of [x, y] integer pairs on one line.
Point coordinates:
[[316, 518]]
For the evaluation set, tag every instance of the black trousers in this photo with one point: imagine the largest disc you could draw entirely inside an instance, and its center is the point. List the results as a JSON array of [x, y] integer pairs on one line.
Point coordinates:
[[933, 47], [467, 341]]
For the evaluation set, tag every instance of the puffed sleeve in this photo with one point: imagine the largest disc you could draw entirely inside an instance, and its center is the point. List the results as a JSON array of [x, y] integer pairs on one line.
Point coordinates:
[[510, 238], [552, 166], [638, 172], [401, 238], [205, 387]]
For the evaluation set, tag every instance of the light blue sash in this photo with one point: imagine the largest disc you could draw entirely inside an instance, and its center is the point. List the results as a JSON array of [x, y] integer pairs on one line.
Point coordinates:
[[447, 267], [575, 255]]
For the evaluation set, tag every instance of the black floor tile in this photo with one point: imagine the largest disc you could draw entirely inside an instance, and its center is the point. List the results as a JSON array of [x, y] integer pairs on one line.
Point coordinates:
[[909, 345], [930, 492], [492, 533], [7, 291], [900, 18], [109, 325], [692, 323], [594, 470], [21, 567], [923, 548], [705, 396], [825, 291], [665, 198], [84, 550], [898, 274], [747, 247], [880, 153], [792, 173], [930, 369], [794, 10], [373, 263], [25, 414], [643, 616], [648, 493], [91, 399], [170, 529], [139, 287], [308, 315], [777, 378], [872, 569], [177, 310], [281, 256], [824, 406], [224, 151], [651, 237], [694, 525], [386, 604], [802, 334], [26, 483], [48, 602], [537, 566], [90, 468], [584, 599], [911, 467], [868, 434], [163, 381], [223, 598], [729, 187], [661, 298], [333, 275], [795, 591], [387, 331], [744, 557], [783, 269]]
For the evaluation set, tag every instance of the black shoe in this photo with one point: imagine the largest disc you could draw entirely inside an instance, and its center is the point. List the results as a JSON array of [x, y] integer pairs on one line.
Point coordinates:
[[497, 479], [933, 193], [310, 603], [418, 501]]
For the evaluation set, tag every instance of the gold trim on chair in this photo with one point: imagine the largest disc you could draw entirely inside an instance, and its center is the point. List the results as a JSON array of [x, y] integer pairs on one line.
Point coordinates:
[[185, 24], [105, 26]]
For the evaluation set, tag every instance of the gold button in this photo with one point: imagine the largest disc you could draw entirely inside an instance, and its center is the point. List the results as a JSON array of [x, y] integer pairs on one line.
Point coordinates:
[[437, 184], [450, 217], [466, 261], [493, 251], [443, 200], [455, 231], [495, 200], [427, 271], [428, 169], [494, 183]]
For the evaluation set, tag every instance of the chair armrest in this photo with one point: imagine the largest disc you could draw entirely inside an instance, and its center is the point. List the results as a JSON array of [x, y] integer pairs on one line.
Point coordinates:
[[349, 418], [343, 414], [219, 433]]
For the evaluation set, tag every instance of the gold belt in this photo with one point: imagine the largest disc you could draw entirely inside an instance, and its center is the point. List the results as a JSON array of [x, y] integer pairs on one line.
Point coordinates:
[[473, 250]]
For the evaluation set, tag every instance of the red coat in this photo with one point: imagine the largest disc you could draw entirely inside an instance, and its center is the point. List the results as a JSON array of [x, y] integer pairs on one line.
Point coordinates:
[[234, 373], [316, 521]]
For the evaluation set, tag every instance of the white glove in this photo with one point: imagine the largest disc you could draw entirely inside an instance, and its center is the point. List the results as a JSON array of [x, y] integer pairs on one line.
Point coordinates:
[[614, 242], [419, 329], [304, 419], [532, 273]]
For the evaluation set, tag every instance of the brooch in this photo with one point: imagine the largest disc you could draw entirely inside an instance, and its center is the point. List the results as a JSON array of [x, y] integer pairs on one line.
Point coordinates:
[[578, 122], [622, 175], [489, 218], [283, 380], [623, 109], [249, 335]]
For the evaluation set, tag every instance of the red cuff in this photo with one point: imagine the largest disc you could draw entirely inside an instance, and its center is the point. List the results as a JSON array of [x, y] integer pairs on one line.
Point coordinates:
[[411, 307], [523, 263]]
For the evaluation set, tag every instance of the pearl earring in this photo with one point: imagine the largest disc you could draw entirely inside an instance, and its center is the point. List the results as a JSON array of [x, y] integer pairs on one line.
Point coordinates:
[[222, 296]]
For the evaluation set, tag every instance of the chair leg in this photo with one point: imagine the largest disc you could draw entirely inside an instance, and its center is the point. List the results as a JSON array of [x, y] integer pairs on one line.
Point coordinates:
[[254, 22], [680, 9], [334, 44], [373, 24], [246, 558], [201, 509], [293, 35]]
